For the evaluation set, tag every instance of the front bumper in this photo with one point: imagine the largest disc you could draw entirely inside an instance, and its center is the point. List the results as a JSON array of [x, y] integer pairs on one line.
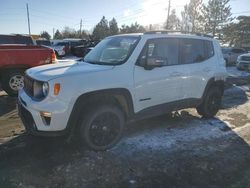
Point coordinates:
[[27, 119], [30, 125], [29, 112], [243, 64]]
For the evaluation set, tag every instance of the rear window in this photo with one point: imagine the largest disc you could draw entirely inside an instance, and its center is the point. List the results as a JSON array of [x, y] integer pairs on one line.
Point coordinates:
[[23, 40], [9, 39], [6, 40]]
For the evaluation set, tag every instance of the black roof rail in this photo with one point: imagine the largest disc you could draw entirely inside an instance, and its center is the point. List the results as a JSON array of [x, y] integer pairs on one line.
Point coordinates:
[[177, 31], [157, 32]]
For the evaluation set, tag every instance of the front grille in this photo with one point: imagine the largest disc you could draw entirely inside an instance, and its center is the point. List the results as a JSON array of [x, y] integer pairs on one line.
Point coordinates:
[[245, 58], [29, 85]]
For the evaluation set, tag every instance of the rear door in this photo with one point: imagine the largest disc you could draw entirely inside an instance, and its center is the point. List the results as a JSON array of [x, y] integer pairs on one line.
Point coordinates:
[[197, 57]]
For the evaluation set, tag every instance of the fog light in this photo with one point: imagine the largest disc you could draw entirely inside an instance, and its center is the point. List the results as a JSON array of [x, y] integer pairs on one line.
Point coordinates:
[[45, 114], [46, 117]]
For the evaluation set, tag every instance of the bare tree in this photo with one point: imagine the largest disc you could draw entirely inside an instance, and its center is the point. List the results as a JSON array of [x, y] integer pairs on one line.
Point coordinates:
[[173, 22], [192, 16]]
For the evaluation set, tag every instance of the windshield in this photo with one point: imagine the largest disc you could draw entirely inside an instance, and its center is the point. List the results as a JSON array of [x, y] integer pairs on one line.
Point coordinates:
[[112, 50], [225, 50]]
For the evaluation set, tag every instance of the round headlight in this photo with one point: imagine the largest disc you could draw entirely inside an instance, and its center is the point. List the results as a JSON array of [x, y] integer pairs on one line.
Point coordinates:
[[45, 89]]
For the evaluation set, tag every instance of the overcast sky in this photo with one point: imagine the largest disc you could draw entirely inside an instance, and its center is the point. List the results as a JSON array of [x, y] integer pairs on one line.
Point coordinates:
[[49, 14]]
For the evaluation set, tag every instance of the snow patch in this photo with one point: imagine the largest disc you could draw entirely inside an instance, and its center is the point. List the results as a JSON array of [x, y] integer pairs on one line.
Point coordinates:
[[163, 138]]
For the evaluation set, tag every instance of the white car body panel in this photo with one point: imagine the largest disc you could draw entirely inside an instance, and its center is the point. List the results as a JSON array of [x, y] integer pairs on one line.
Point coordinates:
[[161, 85]]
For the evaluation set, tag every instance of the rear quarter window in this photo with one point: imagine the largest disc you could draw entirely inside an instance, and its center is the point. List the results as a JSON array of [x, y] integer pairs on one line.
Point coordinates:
[[192, 51], [209, 49]]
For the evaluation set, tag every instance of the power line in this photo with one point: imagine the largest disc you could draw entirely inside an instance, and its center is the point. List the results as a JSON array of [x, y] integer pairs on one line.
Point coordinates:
[[241, 12]]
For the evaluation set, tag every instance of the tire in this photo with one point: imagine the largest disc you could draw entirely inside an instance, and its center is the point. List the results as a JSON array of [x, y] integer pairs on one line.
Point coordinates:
[[12, 81], [102, 127], [211, 103]]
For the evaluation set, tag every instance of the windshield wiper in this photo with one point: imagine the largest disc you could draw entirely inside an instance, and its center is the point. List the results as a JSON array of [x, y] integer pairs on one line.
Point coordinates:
[[96, 62]]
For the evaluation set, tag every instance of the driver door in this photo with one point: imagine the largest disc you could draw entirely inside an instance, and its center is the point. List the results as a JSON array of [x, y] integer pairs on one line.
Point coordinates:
[[159, 84]]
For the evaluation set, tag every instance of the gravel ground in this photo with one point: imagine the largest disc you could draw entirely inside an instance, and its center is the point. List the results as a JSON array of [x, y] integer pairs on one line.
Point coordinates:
[[179, 151]]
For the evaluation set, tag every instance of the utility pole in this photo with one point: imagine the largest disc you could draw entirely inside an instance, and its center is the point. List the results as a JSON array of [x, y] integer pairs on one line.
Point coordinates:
[[81, 28], [28, 16], [53, 33], [169, 5]]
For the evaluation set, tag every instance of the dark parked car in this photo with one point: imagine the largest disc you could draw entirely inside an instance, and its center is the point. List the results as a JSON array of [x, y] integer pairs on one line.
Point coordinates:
[[231, 54], [82, 50], [75, 42], [64, 44], [43, 42]]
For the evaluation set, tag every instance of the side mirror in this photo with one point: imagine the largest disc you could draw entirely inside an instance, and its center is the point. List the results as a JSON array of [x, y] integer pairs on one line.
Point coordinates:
[[153, 62]]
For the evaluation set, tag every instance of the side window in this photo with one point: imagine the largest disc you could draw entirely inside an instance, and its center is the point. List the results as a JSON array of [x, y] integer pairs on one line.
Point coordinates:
[[164, 50], [192, 51], [209, 49]]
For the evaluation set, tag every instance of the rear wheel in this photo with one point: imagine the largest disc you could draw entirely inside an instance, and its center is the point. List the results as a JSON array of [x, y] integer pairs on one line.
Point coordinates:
[[211, 103], [12, 81], [102, 127]]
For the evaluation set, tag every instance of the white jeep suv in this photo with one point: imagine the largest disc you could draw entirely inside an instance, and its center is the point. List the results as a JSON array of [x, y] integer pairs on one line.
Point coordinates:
[[125, 77]]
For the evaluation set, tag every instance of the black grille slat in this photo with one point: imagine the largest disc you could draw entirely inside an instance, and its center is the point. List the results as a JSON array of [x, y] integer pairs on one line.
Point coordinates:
[[29, 85], [245, 58]]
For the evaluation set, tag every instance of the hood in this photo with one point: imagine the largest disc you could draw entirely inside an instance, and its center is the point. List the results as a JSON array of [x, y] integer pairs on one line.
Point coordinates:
[[247, 54], [52, 71]]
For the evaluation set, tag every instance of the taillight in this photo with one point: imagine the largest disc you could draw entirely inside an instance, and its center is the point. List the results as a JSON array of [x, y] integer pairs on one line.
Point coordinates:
[[53, 57]]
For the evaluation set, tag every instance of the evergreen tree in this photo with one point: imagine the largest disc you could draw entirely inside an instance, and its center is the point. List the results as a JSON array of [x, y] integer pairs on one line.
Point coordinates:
[[113, 27], [133, 28], [237, 33], [57, 35], [45, 34], [216, 13], [101, 30]]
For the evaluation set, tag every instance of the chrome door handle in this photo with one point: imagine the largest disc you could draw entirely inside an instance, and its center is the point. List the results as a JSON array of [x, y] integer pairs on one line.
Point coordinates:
[[175, 74], [207, 69]]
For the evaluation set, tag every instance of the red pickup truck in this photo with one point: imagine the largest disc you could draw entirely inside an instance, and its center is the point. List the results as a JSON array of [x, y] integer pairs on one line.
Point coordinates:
[[15, 59]]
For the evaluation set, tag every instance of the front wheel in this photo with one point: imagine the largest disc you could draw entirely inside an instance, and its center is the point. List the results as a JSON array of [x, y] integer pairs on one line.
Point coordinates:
[[12, 81], [211, 103], [102, 127]]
